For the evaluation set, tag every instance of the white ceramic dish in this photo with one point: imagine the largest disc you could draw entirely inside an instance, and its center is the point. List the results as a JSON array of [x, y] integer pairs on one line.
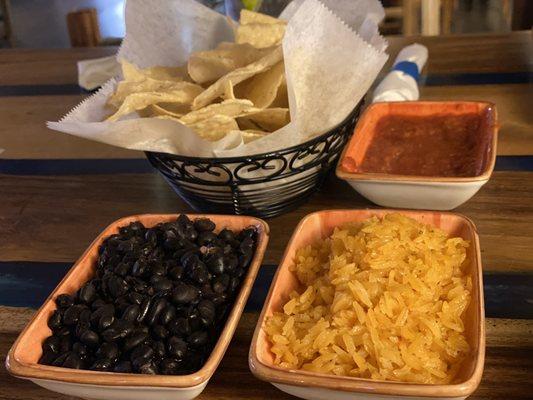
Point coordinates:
[[419, 192], [318, 386]]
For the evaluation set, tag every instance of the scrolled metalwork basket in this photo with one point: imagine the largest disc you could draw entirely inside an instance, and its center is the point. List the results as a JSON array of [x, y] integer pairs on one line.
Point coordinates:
[[263, 185]]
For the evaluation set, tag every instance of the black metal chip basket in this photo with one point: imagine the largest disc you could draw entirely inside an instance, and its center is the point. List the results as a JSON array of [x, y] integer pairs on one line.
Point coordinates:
[[263, 185]]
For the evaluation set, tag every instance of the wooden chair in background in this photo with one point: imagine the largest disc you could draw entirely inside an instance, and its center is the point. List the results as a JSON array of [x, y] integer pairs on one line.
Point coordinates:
[[6, 31], [83, 28]]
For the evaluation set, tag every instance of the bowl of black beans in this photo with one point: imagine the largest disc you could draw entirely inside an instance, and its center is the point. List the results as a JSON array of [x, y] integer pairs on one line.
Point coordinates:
[[147, 311]]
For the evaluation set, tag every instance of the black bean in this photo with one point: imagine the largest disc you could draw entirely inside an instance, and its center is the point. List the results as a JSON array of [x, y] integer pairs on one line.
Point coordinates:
[[145, 306], [123, 367], [58, 362], [162, 285], [216, 263], [159, 270], [80, 349], [117, 286], [63, 331], [51, 344], [190, 233], [221, 283], [139, 267], [54, 322], [107, 309], [206, 309], [159, 349], [87, 293], [97, 304], [155, 310], [204, 224], [198, 339], [169, 366], [231, 262], [90, 338], [135, 340], [233, 284], [65, 344], [180, 327], [176, 347], [85, 316], [103, 364], [245, 259], [105, 322], [183, 293], [72, 314], [131, 313], [107, 350], [142, 352], [64, 301], [73, 361], [119, 330], [168, 314], [199, 273], [48, 358], [183, 220], [176, 272], [226, 235], [219, 299], [159, 331], [123, 269], [148, 369], [248, 233], [205, 238], [136, 298]]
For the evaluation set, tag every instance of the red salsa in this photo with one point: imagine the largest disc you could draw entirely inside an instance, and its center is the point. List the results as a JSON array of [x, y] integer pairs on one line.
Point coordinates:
[[437, 145]]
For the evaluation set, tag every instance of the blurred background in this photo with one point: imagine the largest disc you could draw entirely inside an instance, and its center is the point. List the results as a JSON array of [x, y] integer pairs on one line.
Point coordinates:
[[87, 23]]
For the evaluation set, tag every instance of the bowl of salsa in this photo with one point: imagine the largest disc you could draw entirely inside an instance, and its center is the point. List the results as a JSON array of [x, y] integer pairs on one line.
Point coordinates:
[[422, 154]]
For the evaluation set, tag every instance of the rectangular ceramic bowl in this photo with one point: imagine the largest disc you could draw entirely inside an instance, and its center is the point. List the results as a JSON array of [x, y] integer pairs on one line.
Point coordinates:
[[26, 351], [420, 192], [316, 386]]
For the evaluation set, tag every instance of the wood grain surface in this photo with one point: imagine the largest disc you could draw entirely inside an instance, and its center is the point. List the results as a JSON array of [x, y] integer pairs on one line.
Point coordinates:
[[23, 132], [509, 360], [53, 218], [45, 66]]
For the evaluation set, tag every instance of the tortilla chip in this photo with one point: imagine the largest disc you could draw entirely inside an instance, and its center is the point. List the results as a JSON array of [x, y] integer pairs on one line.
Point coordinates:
[[138, 101], [262, 89], [132, 73], [251, 17], [282, 97], [208, 66], [249, 135], [268, 120], [228, 94], [230, 108], [126, 88], [215, 127], [260, 35], [218, 88], [174, 110]]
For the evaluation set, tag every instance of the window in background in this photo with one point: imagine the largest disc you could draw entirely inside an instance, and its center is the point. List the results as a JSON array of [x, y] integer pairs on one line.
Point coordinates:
[[42, 24]]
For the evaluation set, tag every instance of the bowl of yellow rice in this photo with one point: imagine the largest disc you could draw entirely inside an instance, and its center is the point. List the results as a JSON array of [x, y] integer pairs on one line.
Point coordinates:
[[374, 303]]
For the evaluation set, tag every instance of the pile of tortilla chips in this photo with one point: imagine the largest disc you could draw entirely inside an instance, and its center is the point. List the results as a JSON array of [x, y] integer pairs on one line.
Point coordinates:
[[238, 86]]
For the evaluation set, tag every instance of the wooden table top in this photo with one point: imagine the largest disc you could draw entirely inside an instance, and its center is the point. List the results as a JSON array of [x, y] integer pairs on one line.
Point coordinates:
[[57, 192]]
